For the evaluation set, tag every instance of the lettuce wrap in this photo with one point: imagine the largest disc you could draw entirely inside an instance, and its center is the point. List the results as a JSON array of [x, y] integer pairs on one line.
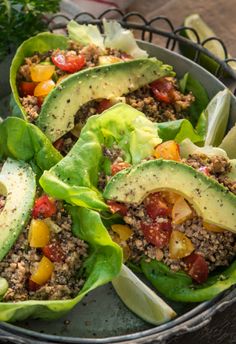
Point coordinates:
[[23, 141], [136, 137], [84, 35]]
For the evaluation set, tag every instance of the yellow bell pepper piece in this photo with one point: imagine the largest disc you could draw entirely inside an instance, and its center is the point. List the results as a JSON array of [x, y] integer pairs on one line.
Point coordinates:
[[104, 60], [180, 245], [43, 272], [181, 211], [168, 150], [43, 88], [40, 72], [123, 231], [212, 228], [39, 233]]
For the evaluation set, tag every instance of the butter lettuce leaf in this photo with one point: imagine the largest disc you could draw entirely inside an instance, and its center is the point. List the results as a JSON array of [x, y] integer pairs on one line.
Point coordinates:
[[179, 130], [75, 178], [178, 286], [117, 37], [103, 263], [189, 84], [41, 43], [21, 140], [85, 34]]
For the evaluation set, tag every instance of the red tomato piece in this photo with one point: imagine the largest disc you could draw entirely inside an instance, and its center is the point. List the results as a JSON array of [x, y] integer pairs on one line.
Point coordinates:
[[68, 62], [156, 233], [26, 88], [126, 57], [44, 207], [156, 206], [53, 251], [40, 101], [59, 144], [197, 267], [119, 166], [204, 170], [116, 207], [163, 90], [32, 286], [103, 105]]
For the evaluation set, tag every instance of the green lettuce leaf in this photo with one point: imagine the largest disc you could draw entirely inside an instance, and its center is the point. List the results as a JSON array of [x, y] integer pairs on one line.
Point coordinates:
[[41, 43], [104, 262], [179, 130], [24, 141], [75, 177], [117, 37], [178, 286], [85, 34], [190, 84]]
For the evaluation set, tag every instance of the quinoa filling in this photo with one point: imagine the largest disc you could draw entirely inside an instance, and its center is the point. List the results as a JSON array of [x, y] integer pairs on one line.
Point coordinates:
[[83, 57], [45, 262], [165, 227]]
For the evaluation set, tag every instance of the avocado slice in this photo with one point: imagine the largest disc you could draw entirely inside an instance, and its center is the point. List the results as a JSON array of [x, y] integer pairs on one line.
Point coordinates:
[[17, 183], [211, 200], [61, 105]]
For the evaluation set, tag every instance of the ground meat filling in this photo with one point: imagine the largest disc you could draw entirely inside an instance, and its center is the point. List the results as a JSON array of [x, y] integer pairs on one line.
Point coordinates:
[[91, 54], [159, 111], [22, 261], [218, 249], [216, 167]]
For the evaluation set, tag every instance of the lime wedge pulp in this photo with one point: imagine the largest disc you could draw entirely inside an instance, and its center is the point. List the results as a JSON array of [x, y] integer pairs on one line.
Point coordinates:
[[204, 32], [140, 299]]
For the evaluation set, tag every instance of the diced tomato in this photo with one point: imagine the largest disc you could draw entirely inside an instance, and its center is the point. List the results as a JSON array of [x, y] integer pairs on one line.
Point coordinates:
[[68, 62], [32, 286], [40, 101], [116, 207], [119, 166], [204, 170], [44, 207], [156, 206], [103, 105], [157, 233], [197, 267], [54, 252], [163, 90], [26, 88], [59, 144], [126, 57]]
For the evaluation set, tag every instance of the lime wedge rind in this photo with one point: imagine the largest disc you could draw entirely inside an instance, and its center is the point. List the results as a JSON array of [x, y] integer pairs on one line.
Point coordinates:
[[140, 299], [204, 32]]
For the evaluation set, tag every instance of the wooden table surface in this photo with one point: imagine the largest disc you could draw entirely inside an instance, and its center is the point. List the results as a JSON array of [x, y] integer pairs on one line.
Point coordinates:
[[220, 15]]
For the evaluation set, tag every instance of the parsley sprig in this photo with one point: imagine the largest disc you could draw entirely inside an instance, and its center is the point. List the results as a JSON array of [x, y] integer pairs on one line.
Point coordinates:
[[21, 19]]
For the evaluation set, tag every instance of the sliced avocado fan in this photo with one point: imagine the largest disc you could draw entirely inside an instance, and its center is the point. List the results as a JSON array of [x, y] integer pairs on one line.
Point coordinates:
[[18, 185], [61, 105], [211, 200]]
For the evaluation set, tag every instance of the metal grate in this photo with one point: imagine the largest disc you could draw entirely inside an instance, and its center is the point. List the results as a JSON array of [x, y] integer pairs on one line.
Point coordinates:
[[148, 29]]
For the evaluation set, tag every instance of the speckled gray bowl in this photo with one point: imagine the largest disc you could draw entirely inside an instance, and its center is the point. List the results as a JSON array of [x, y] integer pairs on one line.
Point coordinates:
[[101, 317]]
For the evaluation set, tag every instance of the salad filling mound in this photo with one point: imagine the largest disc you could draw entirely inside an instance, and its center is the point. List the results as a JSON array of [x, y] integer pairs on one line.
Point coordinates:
[[45, 262], [161, 101], [40, 73], [165, 226]]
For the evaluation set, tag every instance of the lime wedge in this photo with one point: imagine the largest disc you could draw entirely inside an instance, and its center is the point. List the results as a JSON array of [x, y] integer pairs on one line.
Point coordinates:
[[204, 32], [228, 143], [140, 299]]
